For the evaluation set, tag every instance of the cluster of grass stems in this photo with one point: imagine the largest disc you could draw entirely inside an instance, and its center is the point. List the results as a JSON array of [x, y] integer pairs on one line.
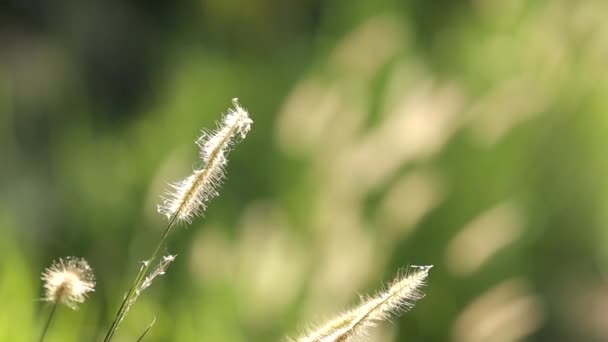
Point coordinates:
[[68, 281]]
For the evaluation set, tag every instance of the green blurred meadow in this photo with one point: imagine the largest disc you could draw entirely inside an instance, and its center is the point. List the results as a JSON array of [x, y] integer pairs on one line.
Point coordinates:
[[470, 135]]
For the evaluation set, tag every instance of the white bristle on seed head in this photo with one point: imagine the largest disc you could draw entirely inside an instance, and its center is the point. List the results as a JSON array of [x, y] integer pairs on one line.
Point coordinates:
[[353, 324], [68, 281], [189, 196]]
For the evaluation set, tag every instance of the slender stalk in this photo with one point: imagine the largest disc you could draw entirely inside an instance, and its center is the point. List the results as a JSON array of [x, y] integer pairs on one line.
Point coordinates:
[[138, 279], [48, 322], [191, 195], [141, 337]]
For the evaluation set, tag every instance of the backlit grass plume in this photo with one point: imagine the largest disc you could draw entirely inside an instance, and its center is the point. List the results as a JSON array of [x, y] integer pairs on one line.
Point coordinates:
[[67, 281], [400, 296], [189, 198]]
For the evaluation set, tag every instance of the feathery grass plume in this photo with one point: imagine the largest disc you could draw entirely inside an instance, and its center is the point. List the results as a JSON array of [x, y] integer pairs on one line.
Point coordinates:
[[191, 194], [190, 197], [400, 296], [67, 281]]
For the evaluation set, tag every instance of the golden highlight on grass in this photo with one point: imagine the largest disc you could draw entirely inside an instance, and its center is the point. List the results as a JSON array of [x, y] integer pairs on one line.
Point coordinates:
[[189, 199], [190, 195], [400, 296]]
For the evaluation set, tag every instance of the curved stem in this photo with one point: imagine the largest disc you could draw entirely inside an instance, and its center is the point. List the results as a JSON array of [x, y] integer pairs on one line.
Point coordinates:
[[48, 322], [138, 279], [141, 337]]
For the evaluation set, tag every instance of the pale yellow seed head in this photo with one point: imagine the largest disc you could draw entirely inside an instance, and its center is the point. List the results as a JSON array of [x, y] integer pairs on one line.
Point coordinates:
[[189, 197], [68, 281]]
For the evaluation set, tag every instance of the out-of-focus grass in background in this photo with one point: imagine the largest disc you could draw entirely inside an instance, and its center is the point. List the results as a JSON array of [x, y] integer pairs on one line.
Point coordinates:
[[470, 135]]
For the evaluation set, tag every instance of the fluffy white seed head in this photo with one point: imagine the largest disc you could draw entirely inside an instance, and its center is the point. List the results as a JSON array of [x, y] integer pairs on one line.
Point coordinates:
[[68, 281], [189, 196], [400, 296]]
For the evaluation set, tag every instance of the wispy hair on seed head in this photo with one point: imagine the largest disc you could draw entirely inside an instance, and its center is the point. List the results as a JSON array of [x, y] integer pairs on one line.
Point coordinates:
[[188, 199], [68, 281], [398, 297], [189, 196]]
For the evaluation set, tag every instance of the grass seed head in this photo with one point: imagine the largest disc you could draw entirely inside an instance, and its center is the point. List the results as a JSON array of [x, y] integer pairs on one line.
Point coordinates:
[[68, 281]]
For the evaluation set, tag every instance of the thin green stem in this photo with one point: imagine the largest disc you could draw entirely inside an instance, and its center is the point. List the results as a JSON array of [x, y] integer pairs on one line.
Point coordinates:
[[199, 186], [141, 337], [48, 322], [138, 279]]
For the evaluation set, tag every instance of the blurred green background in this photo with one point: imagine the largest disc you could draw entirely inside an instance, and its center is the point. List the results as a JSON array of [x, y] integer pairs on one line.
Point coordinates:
[[470, 135]]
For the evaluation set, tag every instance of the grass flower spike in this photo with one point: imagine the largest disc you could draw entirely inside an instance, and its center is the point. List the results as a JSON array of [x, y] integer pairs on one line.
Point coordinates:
[[400, 296], [191, 194], [189, 199], [68, 281]]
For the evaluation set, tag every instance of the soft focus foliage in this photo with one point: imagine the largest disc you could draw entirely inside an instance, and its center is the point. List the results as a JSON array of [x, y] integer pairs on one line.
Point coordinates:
[[469, 135]]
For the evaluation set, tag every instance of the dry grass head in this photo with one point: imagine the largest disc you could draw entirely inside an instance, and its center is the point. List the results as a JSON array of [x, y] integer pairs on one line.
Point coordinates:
[[398, 297], [190, 195], [68, 281]]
